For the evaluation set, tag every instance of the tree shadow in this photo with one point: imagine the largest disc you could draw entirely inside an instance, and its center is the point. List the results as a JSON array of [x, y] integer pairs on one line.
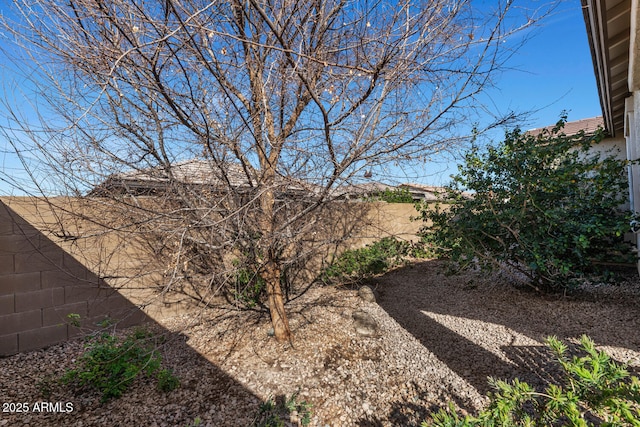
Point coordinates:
[[403, 413], [427, 303], [44, 284]]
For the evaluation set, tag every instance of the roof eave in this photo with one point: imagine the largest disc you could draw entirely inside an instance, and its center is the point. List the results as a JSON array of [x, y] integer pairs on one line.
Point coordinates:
[[608, 36]]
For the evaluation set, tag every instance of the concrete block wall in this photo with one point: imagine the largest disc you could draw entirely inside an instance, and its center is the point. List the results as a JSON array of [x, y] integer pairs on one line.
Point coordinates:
[[40, 284], [44, 277]]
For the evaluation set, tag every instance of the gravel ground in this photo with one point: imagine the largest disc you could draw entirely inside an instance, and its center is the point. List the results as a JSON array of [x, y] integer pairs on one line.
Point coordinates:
[[438, 339]]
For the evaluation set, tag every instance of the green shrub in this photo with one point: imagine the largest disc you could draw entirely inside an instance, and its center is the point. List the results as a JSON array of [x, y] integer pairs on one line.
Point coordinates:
[[110, 364], [354, 265], [167, 381], [596, 392], [249, 287], [545, 205], [275, 414]]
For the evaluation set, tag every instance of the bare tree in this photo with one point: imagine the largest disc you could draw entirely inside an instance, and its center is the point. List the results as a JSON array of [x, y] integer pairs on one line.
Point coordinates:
[[244, 118]]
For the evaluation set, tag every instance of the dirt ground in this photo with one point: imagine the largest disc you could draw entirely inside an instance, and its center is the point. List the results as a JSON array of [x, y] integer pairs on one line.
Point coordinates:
[[438, 338]]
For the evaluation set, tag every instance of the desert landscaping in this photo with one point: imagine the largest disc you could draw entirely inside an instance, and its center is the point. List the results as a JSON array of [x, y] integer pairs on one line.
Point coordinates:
[[437, 338]]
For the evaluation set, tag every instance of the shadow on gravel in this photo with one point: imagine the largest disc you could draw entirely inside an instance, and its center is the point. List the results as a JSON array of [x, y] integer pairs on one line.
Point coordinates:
[[467, 359], [206, 392], [35, 349], [416, 295], [406, 414]]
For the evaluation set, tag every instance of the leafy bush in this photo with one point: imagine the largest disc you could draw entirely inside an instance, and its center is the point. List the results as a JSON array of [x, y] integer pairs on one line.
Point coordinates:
[[167, 381], [110, 364], [545, 205], [249, 287], [354, 265], [596, 391], [274, 414]]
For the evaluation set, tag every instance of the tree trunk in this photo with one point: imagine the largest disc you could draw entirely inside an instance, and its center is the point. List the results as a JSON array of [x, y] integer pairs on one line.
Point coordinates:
[[272, 271], [279, 318]]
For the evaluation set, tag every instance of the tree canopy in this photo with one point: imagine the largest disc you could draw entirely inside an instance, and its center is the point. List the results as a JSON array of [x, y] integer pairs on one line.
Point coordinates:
[[278, 95]]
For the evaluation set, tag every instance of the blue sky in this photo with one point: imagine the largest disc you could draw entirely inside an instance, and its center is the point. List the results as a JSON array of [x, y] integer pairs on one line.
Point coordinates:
[[551, 73]]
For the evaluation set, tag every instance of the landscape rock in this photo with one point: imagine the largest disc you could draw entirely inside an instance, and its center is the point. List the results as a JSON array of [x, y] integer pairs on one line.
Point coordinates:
[[366, 293], [365, 324]]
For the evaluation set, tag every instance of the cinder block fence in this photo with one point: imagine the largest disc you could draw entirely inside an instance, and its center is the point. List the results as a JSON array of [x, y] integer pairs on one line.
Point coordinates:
[[41, 284]]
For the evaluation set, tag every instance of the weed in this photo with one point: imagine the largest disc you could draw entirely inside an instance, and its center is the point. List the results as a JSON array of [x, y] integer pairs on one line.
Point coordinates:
[[46, 385], [167, 381], [249, 287], [196, 422], [274, 413], [110, 364], [596, 391]]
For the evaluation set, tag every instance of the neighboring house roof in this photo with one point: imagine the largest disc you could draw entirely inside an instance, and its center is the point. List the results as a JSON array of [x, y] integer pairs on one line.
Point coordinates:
[[191, 172], [203, 173], [362, 190], [429, 193], [589, 125], [195, 172], [423, 192], [608, 25]]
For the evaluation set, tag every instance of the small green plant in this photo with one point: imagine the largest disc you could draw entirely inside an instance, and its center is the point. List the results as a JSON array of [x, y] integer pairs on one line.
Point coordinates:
[[354, 265], [167, 381], [274, 413], [196, 422], [596, 392], [46, 385], [110, 364], [74, 319], [249, 287], [105, 323]]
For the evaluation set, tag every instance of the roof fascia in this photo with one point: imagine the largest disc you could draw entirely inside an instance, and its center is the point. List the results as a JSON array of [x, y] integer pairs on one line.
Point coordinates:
[[634, 44], [595, 21]]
